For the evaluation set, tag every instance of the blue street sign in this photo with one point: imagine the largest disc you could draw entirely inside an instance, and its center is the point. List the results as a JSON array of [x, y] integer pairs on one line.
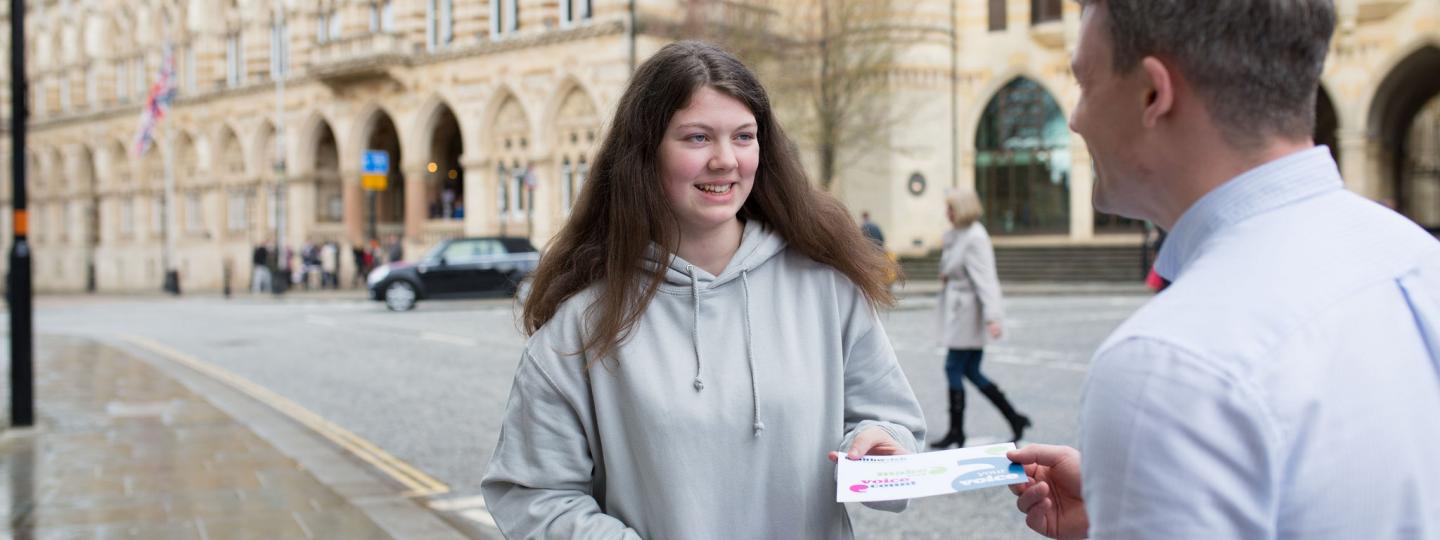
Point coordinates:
[[376, 162]]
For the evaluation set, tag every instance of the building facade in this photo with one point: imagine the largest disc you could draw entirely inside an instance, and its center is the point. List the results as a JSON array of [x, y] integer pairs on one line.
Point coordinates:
[[489, 111]]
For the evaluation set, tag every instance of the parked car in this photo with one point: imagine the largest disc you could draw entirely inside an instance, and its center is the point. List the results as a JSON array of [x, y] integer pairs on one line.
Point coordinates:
[[456, 268]]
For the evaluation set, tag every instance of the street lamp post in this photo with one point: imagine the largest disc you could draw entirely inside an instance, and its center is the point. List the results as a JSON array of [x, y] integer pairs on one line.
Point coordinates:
[[281, 59], [18, 293]]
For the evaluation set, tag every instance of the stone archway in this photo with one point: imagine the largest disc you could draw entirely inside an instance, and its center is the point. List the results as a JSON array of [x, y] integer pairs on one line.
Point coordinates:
[[1022, 161], [1401, 122]]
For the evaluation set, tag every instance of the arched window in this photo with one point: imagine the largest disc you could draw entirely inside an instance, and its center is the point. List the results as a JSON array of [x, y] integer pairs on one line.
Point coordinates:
[[1022, 162]]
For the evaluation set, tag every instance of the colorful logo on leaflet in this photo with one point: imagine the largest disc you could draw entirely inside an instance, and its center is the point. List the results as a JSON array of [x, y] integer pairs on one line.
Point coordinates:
[[895, 479]]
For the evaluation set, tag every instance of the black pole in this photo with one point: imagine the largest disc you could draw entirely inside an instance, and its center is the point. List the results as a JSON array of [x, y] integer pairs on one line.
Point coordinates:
[[18, 294]]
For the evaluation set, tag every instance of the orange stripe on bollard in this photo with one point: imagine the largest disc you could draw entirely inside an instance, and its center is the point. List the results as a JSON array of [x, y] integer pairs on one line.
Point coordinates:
[[22, 223]]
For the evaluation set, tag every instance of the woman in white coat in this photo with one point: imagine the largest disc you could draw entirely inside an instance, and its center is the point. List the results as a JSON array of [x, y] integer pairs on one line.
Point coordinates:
[[970, 313]]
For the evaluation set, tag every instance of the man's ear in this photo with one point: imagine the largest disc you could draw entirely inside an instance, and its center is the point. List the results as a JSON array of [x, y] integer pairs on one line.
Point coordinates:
[[1159, 87]]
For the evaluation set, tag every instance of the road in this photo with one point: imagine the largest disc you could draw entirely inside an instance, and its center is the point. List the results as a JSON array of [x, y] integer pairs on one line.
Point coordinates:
[[429, 386]]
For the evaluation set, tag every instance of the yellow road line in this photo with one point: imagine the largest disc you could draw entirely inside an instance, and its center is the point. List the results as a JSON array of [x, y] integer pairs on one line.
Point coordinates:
[[416, 482]]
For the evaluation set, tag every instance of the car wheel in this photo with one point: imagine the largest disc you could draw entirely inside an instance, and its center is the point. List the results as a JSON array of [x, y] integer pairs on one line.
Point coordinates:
[[512, 283], [400, 296]]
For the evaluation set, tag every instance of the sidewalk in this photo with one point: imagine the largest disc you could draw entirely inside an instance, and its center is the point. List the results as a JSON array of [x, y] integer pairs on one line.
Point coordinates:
[[123, 450]]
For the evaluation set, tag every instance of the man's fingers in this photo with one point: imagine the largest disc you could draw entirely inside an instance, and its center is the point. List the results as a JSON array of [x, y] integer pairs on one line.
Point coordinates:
[[1038, 517], [1033, 496]]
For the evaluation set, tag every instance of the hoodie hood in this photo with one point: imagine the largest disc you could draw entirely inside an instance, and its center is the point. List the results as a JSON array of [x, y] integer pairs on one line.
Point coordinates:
[[758, 245]]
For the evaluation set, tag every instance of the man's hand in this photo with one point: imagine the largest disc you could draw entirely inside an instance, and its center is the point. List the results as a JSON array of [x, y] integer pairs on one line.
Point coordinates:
[[873, 441], [1051, 500]]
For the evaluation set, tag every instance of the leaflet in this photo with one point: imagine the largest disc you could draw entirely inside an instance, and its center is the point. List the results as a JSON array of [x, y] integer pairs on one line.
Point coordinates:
[[885, 478]]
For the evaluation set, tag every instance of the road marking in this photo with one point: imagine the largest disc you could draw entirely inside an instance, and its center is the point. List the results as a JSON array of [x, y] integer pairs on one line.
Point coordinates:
[[447, 338], [471, 508], [417, 483]]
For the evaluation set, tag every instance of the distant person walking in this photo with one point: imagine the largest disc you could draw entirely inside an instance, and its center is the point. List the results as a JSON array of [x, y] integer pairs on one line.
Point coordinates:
[[395, 250], [871, 230], [971, 311], [329, 265], [260, 273]]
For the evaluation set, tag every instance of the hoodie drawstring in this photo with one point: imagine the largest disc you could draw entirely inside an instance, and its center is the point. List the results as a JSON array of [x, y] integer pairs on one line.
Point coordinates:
[[756, 425], [695, 328], [750, 356]]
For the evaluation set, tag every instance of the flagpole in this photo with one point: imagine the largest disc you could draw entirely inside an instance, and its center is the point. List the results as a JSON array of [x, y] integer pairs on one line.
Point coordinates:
[[172, 273]]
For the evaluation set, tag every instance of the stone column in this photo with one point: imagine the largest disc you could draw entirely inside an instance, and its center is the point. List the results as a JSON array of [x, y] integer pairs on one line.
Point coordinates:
[[479, 196], [354, 203], [415, 207]]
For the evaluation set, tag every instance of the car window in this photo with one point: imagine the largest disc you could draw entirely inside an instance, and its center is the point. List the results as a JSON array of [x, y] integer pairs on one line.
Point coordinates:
[[489, 248], [461, 251]]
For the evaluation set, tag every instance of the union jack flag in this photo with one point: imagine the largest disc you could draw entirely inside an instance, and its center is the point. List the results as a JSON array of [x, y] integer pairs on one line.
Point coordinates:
[[157, 102]]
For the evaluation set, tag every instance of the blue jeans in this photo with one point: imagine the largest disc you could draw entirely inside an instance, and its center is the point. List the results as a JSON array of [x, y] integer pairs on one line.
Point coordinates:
[[964, 363]]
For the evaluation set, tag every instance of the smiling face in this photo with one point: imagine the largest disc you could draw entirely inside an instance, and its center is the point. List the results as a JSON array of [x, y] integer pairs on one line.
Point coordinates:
[[708, 158]]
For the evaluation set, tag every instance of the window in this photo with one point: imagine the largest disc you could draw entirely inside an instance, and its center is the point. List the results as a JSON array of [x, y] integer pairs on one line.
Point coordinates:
[[1022, 162], [382, 16], [567, 184], [238, 215], [279, 51], [137, 74], [234, 61], [502, 192], [157, 215], [327, 27], [188, 61], [439, 23], [193, 221], [572, 11], [997, 15], [517, 191], [122, 82], [504, 17], [64, 93], [92, 87], [127, 217], [1044, 11]]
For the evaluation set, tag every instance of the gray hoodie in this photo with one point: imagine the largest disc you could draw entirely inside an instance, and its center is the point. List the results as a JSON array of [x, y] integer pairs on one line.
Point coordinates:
[[715, 421]]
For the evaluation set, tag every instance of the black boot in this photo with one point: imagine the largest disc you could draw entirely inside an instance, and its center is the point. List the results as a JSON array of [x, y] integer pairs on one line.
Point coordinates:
[[1018, 422], [956, 436]]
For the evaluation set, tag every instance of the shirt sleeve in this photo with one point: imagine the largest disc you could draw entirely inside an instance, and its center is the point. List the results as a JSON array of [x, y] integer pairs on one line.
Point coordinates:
[[877, 393], [540, 479], [1174, 446]]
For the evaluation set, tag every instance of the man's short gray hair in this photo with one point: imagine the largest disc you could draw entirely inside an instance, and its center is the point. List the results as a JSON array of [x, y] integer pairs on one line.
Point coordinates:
[[1257, 63]]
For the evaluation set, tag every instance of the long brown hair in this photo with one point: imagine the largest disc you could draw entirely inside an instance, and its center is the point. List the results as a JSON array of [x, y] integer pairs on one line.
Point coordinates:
[[621, 209]]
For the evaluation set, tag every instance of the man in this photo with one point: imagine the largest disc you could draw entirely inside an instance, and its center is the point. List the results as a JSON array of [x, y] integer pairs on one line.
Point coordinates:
[[871, 230], [1286, 384]]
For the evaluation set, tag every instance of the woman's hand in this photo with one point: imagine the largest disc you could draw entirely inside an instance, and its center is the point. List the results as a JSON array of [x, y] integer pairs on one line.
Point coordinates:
[[874, 441], [994, 328]]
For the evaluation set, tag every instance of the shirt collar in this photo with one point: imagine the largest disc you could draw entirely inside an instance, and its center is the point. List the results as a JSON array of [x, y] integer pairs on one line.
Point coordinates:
[[1276, 184]]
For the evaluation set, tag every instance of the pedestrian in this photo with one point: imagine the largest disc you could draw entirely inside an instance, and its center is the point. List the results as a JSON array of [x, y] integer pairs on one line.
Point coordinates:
[[329, 265], [394, 251], [361, 257], [871, 230], [1286, 384], [260, 272], [971, 314], [702, 331]]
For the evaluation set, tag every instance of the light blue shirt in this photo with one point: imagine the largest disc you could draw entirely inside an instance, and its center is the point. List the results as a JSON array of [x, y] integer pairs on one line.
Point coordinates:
[[1286, 385]]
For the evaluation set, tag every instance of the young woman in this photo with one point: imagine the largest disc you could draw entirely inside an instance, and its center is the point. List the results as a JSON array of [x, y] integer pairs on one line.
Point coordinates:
[[970, 313], [702, 331]]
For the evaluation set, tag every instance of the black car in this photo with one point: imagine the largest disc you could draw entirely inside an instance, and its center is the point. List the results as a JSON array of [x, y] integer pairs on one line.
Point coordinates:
[[456, 268]]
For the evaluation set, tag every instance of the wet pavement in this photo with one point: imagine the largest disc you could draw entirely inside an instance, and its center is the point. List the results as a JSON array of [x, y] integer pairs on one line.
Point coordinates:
[[122, 449]]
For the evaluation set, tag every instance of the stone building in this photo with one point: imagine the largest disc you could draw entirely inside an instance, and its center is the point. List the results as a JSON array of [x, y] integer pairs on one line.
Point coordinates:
[[489, 111]]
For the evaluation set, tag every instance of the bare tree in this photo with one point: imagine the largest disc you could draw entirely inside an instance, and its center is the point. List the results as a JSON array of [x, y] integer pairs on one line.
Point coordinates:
[[828, 64]]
